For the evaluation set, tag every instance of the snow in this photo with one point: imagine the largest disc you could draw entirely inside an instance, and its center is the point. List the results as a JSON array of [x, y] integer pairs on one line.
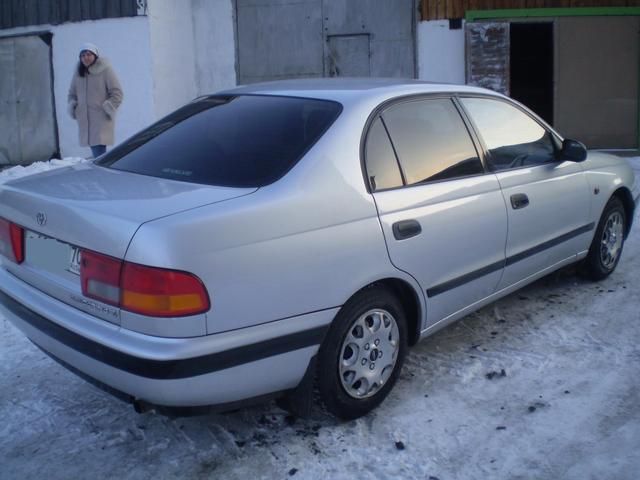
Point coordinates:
[[37, 167], [541, 384]]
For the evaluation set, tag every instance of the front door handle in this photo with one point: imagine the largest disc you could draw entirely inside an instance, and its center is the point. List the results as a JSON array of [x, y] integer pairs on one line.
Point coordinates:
[[519, 200], [406, 229]]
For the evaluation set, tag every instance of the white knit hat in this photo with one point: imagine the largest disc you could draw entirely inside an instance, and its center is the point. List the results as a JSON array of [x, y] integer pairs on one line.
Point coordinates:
[[89, 47]]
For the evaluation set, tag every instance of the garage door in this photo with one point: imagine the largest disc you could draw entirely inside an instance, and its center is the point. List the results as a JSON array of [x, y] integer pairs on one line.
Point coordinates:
[[315, 38], [597, 80], [27, 120]]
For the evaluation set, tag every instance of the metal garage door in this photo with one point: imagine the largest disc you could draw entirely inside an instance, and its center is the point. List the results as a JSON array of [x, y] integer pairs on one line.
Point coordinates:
[[597, 80], [28, 129], [316, 38]]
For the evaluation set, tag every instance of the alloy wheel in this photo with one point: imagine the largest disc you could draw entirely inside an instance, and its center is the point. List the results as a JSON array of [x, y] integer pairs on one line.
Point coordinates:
[[612, 237], [369, 353]]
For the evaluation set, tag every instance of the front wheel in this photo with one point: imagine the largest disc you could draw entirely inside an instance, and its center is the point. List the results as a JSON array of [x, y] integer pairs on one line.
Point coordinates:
[[361, 357], [606, 247]]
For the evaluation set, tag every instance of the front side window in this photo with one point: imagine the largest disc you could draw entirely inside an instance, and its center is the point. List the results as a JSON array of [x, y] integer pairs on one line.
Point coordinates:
[[431, 141], [233, 141], [513, 139]]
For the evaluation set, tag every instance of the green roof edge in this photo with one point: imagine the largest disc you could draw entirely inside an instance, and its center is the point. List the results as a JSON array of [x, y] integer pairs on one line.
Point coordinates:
[[472, 15]]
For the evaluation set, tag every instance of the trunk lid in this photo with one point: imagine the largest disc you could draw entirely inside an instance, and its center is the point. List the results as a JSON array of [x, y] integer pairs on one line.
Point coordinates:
[[99, 208], [90, 207]]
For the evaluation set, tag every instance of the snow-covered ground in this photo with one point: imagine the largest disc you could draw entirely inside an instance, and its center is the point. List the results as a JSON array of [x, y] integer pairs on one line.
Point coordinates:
[[544, 384]]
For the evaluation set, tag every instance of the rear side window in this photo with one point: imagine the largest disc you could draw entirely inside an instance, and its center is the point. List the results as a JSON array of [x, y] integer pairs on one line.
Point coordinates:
[[512, 138], [237, 141], [382, 165]]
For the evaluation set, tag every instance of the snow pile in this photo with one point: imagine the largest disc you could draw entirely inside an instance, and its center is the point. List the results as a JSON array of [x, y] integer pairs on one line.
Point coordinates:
[[37, 167]]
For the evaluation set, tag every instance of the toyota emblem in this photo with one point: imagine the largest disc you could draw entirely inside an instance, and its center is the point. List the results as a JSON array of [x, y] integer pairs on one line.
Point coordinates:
[[41, 218]]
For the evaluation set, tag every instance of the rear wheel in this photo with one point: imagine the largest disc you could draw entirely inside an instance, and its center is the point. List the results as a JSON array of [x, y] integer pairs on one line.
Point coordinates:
[[361, 357], [606, 247]]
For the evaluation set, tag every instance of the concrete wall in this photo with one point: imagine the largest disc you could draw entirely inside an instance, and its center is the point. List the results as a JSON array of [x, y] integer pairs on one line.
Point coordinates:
[[172, 54], [125, 42], [192, 50], [440, 52], [214, 40]]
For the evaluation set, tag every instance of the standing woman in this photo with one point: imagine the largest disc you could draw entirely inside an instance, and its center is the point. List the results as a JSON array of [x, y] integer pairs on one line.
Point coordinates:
[[94, 96]]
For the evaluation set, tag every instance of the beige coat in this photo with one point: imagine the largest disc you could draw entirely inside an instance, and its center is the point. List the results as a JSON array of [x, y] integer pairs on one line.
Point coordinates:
[[93, 101]]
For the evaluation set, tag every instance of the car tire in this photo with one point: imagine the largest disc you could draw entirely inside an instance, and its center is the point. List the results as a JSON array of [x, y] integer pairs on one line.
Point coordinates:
[[608, 241], [362, 354]]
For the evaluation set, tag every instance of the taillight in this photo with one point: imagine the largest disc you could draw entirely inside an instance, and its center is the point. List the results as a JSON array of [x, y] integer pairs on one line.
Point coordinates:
[[100, 277], [11, 241], [151, 291], [162, 293]]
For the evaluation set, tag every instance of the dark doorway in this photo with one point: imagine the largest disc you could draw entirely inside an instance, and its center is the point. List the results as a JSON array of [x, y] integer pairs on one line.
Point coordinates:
[[532, 67]]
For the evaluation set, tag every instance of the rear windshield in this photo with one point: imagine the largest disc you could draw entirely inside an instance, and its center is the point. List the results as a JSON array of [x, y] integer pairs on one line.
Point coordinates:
[[237, 141]]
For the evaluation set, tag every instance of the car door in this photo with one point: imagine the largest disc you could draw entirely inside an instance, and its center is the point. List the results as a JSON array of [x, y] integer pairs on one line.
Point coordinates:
[[443, 218], [547, 199]]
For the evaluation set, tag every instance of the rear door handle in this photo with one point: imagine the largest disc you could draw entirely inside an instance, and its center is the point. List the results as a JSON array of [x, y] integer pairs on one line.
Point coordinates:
[[519, 200], [406, 229]]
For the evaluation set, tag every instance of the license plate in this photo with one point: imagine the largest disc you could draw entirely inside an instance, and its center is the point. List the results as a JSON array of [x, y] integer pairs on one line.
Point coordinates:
[[51, 255], [74, 261]]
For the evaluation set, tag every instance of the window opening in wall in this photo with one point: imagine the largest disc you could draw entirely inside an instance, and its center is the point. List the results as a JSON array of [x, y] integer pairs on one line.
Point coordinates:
[[455, 23]]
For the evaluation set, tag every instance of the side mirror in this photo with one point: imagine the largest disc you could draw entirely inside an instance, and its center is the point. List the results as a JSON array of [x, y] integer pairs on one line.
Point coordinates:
[[573, 150]]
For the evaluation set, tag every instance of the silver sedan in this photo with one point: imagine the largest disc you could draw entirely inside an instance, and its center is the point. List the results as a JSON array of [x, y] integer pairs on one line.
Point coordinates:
[[277, 238]]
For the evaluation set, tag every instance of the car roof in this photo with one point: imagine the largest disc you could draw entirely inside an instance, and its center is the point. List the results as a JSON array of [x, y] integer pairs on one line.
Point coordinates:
[[344, 89]]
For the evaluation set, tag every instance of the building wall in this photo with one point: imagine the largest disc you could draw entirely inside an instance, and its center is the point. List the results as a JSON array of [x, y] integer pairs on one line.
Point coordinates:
[[172, 54], [180, 50], [440, 52], [125, 42], [213, 31], [595, 74], [192, 50]]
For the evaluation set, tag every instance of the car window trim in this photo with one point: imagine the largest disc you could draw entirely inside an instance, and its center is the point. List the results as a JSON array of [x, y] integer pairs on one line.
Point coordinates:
[[473, 133], [377, 113], [395, 152]]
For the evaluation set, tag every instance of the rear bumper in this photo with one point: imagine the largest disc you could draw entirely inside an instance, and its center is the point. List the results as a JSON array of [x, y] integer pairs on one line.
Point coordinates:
[[209, 370]]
